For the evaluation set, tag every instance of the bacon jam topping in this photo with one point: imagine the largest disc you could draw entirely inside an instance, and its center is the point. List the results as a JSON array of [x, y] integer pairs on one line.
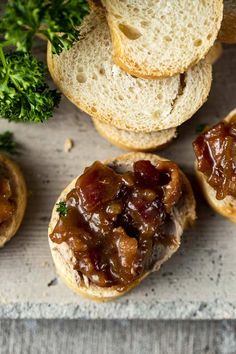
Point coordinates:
[[113, 222], [216, 158], [7, 208]]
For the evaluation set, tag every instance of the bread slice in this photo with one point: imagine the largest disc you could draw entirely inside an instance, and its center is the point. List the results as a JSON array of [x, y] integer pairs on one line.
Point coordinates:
[[227, 206], [153, 39], [87, 76], [9, 228], [135, 141], [227, 32], [64, 259]]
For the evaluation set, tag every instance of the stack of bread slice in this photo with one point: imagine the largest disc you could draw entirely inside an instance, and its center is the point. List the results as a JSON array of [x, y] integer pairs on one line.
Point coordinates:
[[140, 68]]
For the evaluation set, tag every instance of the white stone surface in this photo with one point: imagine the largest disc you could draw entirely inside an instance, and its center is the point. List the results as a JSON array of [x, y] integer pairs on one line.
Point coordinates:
[[198, 282]]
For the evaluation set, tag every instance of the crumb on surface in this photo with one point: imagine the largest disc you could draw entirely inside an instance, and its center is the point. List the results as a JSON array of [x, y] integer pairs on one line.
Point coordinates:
[[68, 145]]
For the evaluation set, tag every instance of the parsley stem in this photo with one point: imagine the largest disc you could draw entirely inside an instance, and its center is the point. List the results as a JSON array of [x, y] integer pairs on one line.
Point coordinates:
[[2, 57]]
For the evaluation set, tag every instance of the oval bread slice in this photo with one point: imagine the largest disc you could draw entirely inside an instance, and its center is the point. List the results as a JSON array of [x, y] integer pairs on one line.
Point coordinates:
[[63, 258], [87, 76], [227, 206], [135, 141], [9, 228], [153, 39]]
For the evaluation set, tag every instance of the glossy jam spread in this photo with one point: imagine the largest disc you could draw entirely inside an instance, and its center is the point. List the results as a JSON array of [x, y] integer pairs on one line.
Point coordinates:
[[115, 221], [216, 157], [7, 208]]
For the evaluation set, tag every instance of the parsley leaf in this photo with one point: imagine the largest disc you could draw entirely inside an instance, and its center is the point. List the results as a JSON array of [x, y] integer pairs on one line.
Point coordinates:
[[62, 209]]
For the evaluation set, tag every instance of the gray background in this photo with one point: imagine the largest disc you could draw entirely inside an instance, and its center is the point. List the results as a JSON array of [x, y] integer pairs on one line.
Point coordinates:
[[117, 337]]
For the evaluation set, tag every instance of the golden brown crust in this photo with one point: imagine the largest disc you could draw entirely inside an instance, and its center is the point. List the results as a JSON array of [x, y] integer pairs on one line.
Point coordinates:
[[128, 145], [8, 229], [227, 32], [226, 209], [63, 258], [227, 206], [214, 53]]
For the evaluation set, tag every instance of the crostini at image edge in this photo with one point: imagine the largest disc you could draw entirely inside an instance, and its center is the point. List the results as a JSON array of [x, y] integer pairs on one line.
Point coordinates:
[[9, 228]]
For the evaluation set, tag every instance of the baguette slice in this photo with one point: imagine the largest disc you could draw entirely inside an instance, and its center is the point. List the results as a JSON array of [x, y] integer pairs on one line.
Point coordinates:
[[227, 206], [9, 228], [227, 32], [87, 76], [135, 141], [63, 258], [153, 39]]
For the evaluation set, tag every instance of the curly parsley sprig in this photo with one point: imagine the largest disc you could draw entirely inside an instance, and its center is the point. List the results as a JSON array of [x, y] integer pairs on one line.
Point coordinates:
[[24, 93]]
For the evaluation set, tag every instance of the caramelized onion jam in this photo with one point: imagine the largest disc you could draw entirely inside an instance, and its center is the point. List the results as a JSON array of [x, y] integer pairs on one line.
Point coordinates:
[[115, 221], [7, 207], [215, 150]]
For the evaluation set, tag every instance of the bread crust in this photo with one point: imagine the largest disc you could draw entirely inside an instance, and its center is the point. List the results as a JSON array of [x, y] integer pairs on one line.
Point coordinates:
[[9, 228], [227, 206], [161, 140], [63, 257], [227, 32], [214, 53], [145, 72]]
